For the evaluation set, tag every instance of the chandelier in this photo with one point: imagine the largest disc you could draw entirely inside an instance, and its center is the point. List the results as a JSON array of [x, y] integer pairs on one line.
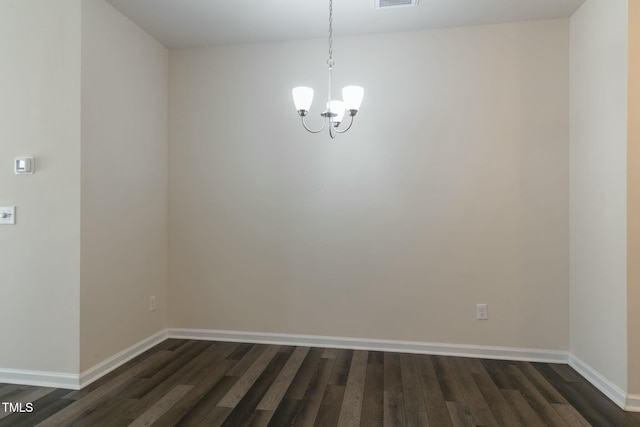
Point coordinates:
[[335, 109]]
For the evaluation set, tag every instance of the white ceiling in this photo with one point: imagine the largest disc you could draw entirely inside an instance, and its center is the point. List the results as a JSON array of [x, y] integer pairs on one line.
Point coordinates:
[[193, 23]]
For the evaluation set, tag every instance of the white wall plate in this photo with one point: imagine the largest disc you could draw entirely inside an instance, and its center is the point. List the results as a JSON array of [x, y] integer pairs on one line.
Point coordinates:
[[24, 165], [8, 215]]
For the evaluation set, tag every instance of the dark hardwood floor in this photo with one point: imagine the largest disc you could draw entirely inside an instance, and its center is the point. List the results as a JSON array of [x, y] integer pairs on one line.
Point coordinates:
[[200, 383]]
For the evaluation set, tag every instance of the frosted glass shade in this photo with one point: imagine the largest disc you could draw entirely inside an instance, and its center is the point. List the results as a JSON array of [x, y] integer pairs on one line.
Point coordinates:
[[352, 96], [336, 107], [302, 97]]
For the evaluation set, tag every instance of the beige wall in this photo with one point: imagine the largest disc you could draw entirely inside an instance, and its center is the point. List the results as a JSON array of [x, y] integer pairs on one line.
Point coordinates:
[[598, 169], [124, 183], [40, 117], [450, 190], [633, 200]]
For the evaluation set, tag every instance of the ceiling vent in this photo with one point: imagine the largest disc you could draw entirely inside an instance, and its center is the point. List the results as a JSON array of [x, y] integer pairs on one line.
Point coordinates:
[[392, 4]]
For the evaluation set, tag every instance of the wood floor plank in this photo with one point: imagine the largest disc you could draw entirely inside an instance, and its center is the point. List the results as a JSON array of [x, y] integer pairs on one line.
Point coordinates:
[[247, 360], [190, 373], [173, 360], [549, 392], [209, 379], [329, 410], [393, 409], [570, 415], [566, 372], [312, 399], [111, 415], [203, 411], [240, 351], [373, 399], [448, 383], [341, 367], [535, 398], [497, 370], [376, 358], [182, 363], [437, 410], [209, 359], [460, 415], [330, 353], [595, 407], [351, 410], [474, 399], [162, 406], [501, 410], [171, 344], [240, 388], [215, 418], [260, 418], [286, 413], [475, 366], [300, 382], [276, 392], [527, 416], [416, 419], [244, 409], [411, 387], [9, 390], [392, 373]]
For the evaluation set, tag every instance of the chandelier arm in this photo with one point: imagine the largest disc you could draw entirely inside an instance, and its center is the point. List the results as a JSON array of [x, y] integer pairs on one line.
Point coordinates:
[[324, 123], [347, 128]]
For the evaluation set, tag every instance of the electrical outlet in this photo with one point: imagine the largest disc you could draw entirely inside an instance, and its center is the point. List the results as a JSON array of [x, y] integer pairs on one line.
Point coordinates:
[[152, 303], [482, 312]]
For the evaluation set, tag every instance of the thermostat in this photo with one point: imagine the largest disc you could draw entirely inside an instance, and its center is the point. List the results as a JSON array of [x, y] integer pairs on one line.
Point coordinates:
[[24, 165]]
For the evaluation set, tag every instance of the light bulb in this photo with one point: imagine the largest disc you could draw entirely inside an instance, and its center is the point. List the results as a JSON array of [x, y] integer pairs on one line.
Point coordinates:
[[352, 96], [302, 98]]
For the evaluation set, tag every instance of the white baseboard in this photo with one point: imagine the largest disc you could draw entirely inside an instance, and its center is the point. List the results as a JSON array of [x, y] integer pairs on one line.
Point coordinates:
[[633, 403], [103, 368], [609, 389], [484, 352], [40, 378], [77, 381]]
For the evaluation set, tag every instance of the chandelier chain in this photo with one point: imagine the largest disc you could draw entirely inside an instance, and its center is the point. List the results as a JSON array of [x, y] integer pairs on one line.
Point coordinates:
[[330, 61]]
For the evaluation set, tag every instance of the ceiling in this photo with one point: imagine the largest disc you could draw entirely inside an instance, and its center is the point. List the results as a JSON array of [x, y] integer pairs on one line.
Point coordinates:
[[196, 23]]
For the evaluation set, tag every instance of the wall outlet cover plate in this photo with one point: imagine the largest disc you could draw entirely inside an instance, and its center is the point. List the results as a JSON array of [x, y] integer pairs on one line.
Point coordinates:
[[8, 215], [24, 165]]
